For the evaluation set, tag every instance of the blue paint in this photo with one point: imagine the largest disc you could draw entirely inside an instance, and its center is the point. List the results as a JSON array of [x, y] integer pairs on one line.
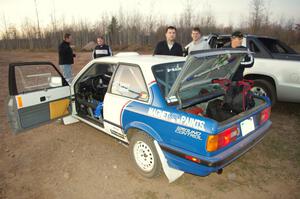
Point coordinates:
[[164, 129]]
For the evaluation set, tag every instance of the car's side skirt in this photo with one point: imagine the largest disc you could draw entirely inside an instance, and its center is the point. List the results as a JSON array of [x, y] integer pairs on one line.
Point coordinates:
[[108, 128]]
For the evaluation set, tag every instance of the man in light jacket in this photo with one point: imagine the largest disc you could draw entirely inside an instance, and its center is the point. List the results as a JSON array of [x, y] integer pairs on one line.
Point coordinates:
[[198, 43]]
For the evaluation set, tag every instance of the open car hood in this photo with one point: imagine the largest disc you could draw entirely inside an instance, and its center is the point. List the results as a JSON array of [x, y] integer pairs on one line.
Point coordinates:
[[201, 67]]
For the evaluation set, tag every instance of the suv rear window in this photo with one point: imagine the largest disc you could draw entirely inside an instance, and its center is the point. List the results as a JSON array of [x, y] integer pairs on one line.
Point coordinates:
[[276, 46]]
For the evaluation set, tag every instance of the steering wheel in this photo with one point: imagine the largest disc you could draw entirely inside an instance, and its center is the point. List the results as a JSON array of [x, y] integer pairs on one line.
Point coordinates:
[[98, 83]]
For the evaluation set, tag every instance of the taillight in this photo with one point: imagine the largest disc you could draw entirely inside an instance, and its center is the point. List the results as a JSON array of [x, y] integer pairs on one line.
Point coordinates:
[[215, 142], [265, 115]]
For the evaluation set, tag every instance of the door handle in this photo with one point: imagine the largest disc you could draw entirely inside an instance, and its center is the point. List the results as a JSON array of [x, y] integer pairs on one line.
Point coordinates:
[[42, 98]]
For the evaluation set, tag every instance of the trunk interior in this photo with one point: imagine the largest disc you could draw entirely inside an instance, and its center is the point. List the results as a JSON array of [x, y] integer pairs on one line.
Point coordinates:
[[213, 103]]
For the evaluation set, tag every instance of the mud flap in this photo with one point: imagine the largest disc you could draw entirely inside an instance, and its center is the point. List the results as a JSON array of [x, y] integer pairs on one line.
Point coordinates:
[[171, 173]]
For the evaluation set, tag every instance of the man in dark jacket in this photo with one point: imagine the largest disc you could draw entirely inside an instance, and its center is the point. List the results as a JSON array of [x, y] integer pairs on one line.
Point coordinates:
[[169, 46], [101, 50], [236, 42], [66, 57]]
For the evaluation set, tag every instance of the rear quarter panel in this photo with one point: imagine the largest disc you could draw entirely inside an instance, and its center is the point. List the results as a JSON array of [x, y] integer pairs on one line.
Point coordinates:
[[169, 126], [286, 75]]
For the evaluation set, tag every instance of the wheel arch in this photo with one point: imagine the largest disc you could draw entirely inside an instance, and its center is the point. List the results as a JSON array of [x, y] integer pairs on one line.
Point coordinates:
[[135, 127], [264, 77]]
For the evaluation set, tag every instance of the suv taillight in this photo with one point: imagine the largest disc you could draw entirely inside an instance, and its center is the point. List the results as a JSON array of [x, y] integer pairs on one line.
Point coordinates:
[[215, 142], [265, 115]]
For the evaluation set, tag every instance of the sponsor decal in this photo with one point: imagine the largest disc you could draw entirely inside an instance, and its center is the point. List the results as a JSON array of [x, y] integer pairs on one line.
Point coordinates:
[[172, 99], [102, 52], [188, 132], [177, 118], [174, 69]]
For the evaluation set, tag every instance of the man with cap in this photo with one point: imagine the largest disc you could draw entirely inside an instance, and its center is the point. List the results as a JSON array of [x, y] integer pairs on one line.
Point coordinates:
[[236, 42]]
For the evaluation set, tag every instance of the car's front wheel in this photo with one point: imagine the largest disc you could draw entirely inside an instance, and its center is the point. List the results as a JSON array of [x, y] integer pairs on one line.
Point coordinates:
[[144, 155], [262, 87]]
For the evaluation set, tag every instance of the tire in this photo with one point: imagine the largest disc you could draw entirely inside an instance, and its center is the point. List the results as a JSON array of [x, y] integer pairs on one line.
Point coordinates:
[[144, 156], [263, 87]]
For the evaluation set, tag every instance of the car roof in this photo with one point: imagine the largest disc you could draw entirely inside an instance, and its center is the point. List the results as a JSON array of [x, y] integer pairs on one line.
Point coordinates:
[[142, 60], [248, 35]]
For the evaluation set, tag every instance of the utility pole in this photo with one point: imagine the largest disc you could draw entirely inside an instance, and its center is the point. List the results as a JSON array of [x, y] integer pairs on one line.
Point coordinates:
[[37, 18]]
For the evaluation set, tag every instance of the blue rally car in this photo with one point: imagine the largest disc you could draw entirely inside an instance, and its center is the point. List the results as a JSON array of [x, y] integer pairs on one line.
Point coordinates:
[[155, 104]]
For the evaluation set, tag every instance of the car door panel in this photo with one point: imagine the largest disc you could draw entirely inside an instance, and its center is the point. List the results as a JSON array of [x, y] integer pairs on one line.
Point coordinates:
[[59, 108], [113, 113], [43, 96], [30, 116], [34, 99]]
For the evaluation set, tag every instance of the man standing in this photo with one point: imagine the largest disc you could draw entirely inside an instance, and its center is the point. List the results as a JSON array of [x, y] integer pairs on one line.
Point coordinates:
[[101, 50], [236, 42], [198, 43], [169, 46], [66, 57]]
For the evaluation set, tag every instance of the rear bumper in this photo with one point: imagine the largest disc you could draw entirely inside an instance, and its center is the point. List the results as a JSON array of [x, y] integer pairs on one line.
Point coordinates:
[[208, 165]]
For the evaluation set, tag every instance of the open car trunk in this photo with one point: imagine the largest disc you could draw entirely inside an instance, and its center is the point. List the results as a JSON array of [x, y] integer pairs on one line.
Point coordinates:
[[200, 87], [212, 108]]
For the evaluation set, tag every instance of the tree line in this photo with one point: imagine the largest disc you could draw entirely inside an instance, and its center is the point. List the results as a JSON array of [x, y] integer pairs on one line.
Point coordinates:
[[141, 32]]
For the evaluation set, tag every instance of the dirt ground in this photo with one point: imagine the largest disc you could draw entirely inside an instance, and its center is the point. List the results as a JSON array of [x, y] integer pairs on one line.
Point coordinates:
[[77, 161]]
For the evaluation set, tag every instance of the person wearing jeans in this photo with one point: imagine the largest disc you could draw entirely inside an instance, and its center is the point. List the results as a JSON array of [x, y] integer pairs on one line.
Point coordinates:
[[66, 57], [67, 72]]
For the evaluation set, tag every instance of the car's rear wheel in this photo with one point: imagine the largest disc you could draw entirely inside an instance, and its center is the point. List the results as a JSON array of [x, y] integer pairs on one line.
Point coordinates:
[[264, 88], [144, 155]]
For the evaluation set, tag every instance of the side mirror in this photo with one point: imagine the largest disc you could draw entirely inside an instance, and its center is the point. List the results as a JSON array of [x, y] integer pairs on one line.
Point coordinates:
[[55, 82]]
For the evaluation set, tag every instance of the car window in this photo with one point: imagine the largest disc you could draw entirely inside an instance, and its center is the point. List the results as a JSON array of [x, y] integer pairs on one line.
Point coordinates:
[[101, 68], [166, 74], [275, 46], [36, 77], [223, 42], [129, 82], [253, 47], [213, 42]]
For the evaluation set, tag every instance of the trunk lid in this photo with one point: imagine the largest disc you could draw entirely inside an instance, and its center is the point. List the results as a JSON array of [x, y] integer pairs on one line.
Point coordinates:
[[200, 68]]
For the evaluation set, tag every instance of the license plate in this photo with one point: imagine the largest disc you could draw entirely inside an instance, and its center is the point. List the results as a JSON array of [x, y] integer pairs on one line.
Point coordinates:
[[247, 126]]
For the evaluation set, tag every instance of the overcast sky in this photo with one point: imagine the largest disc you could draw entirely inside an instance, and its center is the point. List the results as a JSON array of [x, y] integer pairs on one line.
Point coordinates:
[[229, 11]]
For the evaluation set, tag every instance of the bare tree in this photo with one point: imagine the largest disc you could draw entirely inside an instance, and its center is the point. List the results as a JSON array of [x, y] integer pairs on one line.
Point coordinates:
[[140, 31], [256, 15], [5, 35]]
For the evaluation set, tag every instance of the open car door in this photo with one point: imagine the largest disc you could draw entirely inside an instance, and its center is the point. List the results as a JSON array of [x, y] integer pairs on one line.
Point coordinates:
[[38, 94]]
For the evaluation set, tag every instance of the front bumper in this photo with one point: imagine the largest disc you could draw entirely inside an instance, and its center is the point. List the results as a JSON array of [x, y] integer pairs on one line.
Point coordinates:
[[208, 165]]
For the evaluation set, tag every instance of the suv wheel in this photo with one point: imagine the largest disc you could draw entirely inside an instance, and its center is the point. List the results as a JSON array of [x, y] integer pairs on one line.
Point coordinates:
[[264, 88]]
